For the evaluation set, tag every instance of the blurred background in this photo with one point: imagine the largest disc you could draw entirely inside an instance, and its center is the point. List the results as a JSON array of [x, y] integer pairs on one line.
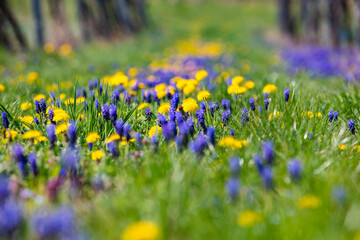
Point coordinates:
[[29, 24], [108, 34]]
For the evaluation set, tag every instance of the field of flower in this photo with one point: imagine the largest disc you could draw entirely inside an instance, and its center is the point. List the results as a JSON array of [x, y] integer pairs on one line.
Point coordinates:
[[194, 129]]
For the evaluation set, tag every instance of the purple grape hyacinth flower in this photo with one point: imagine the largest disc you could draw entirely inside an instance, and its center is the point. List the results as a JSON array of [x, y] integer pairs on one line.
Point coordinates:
[[267, 177], [268, 152], [148, 114], [138, 140], [70, 159], [351, 125], [105, 112], [161, 119], [51, 115], [32, 162], [294, 168], [286, 94], [72, 133], [234, 165], [5, 120], [333, 115], [231, 132], [232, 188], [119, 127], [252, 104], [51, 134], [113, 113], [11, 217], [198, 146], [211, 135], [113, 149], [201, 120], [127, 129], [266, 104], [225, 116], [174, 102], [43, 105], [244, 117], [37, 107]]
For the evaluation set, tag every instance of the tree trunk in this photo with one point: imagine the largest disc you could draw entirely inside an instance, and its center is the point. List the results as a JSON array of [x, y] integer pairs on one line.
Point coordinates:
[[346, 21], [285, 18], [61, 31], [8, 15], [38, 23], [334, 8], [4, 39], [85, 19], [357, 6]]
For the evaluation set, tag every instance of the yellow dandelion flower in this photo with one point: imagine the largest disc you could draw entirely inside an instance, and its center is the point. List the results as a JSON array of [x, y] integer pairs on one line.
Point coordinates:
[[123, 139], [160, 87], [249, 218], [40, 139], [2, 88], [60, 115], [164, 108], [181, 84], [31, 77], [175, 79], [97, 155], [200, 75], [49, 48], [39, 97], [342, 147], [132, 93], [154, 129], [27, 119], [237, 80], [11, 134], [318, 114], [31, 134], [231, 142], [249, 84], [308, 201], [69, 101], [80, 100], [92, 137], [132, 72], [25, 106], [113, 137], [61, 128], [170, 89], [62, 96], [142, 106], [190, 105], [203, 95], [192, 82], [118, 78], [308, 114], [161, 94], [269, 88], [65, 50], [144, 230], [235, 89], [188, 89]]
